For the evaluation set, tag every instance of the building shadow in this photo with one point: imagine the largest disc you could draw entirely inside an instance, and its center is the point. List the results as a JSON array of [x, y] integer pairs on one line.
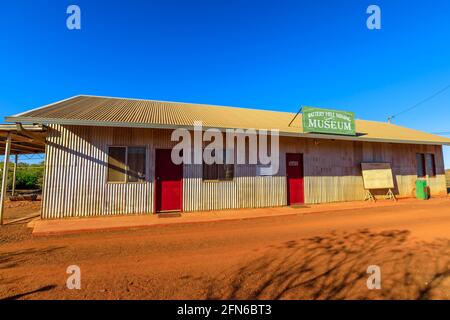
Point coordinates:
[[335, 266], [22, 257], [23, 295]]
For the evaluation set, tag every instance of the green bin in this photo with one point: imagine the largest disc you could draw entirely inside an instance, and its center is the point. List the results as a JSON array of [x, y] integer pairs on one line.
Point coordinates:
[[422, 190]]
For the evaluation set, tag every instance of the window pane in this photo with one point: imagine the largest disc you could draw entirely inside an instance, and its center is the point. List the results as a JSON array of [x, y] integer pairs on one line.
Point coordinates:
[[229, 171], [228, 167], [116, 164], [210, 171], [431, 165], [226, 171], [136, 164], [219, 171], [420, 159]]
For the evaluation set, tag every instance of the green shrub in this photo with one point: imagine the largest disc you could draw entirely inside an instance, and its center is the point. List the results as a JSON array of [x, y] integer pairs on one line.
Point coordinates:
[[28, 176], [27, 180]]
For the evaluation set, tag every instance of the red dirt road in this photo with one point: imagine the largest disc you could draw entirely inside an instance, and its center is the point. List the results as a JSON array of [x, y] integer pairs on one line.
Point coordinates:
[[312, 256]]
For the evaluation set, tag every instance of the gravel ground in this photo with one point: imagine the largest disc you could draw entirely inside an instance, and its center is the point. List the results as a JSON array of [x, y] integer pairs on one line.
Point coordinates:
[[16, 210], [317, 256], [19, 209]]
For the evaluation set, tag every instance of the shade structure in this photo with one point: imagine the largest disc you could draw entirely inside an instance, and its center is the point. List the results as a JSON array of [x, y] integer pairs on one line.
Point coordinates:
[[25, 139], [18, 139]]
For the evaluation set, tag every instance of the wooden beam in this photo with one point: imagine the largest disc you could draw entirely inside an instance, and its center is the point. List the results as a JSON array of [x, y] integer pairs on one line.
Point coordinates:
[[18, 151], [28, 134], [5, 177], [29, 127], [17, 137], [23, 148], [28, 145]]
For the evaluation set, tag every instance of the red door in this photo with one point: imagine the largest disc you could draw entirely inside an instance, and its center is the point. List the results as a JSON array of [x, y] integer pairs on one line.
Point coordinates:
[[294, 176], [169, 182]]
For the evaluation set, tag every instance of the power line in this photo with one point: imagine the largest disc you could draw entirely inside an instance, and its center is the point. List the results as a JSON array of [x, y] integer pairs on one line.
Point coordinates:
[[419, 103]]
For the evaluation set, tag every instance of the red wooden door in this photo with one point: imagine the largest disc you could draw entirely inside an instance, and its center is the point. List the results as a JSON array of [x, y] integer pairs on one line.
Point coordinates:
[[169, 182], [294, 176]]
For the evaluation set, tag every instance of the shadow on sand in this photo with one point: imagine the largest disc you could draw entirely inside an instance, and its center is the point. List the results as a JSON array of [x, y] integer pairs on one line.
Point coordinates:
[[21, 258], [335, 267], [23, 295]]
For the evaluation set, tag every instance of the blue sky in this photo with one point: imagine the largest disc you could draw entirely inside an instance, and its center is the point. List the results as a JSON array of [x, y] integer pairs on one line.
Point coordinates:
[[262, 54]]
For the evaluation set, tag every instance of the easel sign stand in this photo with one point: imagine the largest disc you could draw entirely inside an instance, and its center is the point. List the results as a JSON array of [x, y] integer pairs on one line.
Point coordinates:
[[378, 176], [369, 196], [391, 196]]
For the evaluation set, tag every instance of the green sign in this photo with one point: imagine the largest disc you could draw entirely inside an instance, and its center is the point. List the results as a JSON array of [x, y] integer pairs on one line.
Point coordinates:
[[328, 121]]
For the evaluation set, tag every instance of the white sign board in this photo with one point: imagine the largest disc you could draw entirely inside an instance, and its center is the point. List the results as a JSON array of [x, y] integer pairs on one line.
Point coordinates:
[[377, 176]]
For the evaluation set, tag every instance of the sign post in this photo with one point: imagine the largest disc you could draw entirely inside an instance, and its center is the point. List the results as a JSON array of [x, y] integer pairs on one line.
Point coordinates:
[[328, 121]]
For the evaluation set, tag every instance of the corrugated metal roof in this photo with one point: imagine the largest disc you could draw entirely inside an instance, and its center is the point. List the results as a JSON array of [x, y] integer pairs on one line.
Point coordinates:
[[106, 111]]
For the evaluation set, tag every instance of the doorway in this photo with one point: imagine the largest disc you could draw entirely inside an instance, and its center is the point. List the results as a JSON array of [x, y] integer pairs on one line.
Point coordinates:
[[294, 177], [168, 182]]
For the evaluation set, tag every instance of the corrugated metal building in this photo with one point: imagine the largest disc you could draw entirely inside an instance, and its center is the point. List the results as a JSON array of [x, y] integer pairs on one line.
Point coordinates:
[[105, 156]]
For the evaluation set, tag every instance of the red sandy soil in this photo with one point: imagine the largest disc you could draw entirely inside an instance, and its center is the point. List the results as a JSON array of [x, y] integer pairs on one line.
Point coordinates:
[[18, 209], [305, 256]]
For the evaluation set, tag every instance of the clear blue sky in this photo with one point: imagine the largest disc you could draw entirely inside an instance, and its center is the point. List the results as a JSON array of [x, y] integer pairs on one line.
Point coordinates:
[[263, 54]]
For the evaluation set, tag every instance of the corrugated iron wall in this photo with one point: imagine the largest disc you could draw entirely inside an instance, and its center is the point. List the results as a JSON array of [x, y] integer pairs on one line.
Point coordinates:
[[76, 167], [245, 191]]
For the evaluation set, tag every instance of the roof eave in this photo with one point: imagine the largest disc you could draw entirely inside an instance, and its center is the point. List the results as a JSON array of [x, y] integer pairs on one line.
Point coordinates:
[[46, 121]]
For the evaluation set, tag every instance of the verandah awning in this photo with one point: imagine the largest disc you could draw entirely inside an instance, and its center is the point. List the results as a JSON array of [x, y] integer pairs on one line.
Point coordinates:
[[18, 139]]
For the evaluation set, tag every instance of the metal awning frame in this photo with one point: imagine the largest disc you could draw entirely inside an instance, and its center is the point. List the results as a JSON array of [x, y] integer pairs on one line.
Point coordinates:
[[18, 139]]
